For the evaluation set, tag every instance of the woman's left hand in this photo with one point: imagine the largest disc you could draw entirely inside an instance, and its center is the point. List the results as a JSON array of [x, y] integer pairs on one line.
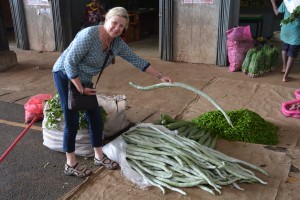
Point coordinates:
[[166, 79]]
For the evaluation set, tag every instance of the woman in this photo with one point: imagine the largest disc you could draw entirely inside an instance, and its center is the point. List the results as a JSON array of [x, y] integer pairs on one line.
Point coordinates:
[[79, 63]]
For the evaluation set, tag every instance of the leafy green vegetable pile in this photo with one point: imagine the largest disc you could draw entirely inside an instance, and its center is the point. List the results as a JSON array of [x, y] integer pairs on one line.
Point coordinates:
[[248, 126], [260, 60], [54, 114], [294, 16]]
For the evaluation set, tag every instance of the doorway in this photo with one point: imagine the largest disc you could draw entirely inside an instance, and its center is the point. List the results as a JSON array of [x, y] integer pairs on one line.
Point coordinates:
[[143, 31], [8, 22]]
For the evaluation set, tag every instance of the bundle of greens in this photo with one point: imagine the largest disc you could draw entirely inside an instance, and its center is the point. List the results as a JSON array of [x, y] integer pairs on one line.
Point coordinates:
[[256, 64], [295, 15], [54, 114], [260, 60], [248, 127], [247, 61]]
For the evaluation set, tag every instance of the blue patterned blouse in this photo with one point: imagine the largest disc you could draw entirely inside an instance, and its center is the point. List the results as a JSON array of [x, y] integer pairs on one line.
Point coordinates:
[[84, 57]]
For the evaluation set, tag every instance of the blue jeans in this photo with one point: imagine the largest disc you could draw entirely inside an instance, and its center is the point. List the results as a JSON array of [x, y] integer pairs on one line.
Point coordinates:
[[71, 117]]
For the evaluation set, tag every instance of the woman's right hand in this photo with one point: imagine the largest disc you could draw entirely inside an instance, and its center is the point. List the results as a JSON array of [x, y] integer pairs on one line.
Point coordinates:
[[89, 91]]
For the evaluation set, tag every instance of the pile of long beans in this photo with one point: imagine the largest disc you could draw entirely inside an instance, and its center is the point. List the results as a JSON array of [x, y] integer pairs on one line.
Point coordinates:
[[171, 161]]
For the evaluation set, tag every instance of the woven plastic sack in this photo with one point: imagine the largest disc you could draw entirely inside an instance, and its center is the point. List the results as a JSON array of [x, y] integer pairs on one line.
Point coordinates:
[[237, 51], [34, 107], [115, 107], [116, 121], [297, 94], [53, 139], [290, 113], [240, 33], [239, 41]]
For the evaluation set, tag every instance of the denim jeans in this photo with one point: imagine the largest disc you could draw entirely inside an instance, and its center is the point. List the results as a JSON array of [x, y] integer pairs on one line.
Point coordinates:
[[71, 117]]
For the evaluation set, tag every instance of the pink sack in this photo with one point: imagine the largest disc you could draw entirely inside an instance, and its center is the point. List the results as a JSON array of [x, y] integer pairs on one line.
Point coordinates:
[[240, 33], [237, 51], [34, 107], [285, 108], [239, 41], [297, 94]]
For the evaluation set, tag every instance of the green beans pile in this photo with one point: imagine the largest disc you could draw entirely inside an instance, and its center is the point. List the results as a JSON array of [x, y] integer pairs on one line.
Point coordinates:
[[171, 161], [248, 126], [188, 129]]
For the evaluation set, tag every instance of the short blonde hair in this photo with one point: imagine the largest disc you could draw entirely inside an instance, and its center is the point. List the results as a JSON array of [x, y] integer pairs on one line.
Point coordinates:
[[118, 11]]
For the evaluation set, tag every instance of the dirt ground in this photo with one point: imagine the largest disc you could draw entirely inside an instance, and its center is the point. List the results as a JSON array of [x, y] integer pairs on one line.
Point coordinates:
[[37, 172]]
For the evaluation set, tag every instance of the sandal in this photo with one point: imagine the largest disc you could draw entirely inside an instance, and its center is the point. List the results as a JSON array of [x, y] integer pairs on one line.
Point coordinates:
[[106, 162], [77, 171]]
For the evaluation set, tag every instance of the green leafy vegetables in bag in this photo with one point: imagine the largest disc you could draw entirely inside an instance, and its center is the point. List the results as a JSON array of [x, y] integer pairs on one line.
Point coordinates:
[[54, 114]]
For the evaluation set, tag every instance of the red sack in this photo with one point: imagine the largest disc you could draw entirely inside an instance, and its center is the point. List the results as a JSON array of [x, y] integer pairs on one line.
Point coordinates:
[[34, 107]]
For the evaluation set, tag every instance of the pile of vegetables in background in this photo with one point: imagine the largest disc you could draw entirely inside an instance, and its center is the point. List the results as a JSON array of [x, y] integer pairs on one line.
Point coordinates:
[[260, 60], [54, 114], [170, 161], [295, 15]]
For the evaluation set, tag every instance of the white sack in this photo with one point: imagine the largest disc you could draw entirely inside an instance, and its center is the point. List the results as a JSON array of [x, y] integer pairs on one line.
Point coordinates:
[[116, 121]]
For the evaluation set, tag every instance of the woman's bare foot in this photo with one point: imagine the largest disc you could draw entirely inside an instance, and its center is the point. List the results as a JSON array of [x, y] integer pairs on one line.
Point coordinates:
[[285, 79]]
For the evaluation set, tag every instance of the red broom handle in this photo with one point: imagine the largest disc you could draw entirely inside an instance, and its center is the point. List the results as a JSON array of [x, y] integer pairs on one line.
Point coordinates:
[[18, 139]]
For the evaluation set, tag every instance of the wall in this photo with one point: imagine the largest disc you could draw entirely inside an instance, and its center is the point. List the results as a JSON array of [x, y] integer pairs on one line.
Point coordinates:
[[39, 24], [195, 32]]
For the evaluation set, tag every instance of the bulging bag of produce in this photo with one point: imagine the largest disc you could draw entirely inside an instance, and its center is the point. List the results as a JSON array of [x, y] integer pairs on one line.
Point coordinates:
[[240, 33], [237, 51], [34, 107], [239, 41], [291, 108], [247, 61]]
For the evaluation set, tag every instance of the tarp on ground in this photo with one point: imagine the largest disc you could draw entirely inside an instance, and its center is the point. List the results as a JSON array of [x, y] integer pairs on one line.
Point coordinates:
[[281, 161]]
